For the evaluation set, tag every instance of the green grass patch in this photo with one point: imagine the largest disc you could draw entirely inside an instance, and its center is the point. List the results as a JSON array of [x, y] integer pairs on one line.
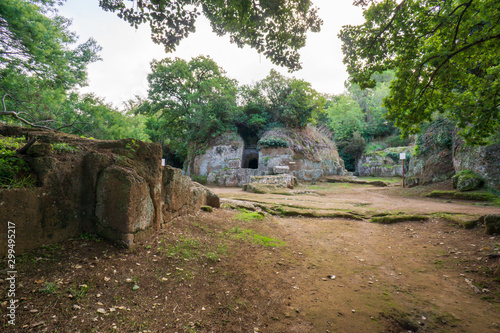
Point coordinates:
[[463, 220], [62, 147], [398, 218], [252, 236], [248, 216]]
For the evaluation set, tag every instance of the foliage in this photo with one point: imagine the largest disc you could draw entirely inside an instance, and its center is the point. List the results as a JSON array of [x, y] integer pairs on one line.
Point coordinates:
[[250, 235], [273, 142], [371, 103], [437, 134], [93, 117], [278, 101], [445, 55], [190, 101], [14, 171], [63, 147], [38, 63], [351, 149], [276, 28], [247, 216], [346, 117]]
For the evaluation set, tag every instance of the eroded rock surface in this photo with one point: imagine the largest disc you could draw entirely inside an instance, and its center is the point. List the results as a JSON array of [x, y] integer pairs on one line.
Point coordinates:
[[117, 189]]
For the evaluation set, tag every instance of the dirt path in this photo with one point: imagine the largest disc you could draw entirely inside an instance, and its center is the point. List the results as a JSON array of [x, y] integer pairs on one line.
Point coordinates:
[[416, 276], [239, 271]]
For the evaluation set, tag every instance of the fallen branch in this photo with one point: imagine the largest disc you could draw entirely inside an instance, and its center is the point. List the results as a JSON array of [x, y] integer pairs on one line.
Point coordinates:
[[27, 146]]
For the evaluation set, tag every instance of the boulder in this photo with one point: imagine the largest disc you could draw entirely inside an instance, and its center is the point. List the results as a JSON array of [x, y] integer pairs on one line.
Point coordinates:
[[492, 224], [482, 160], [124, 204], [467, 180]]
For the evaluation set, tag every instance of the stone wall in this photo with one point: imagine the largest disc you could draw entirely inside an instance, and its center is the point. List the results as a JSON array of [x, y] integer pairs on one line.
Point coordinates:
[[117, 189], [224, 152], [384, 163], [309, 155]]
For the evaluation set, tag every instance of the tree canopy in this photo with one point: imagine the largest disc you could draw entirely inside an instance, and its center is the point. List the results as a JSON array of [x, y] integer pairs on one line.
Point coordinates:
[[193, 101], [276, 28], [446, 58]]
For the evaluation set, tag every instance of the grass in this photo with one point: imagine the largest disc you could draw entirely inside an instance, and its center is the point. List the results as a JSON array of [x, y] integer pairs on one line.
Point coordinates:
[[62, 147], [463, 220], [252, 236], [247, 216]]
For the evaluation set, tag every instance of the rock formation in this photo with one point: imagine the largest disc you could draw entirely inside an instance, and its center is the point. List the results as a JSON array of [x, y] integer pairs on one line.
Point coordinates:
[[117, 189], [304, 153]]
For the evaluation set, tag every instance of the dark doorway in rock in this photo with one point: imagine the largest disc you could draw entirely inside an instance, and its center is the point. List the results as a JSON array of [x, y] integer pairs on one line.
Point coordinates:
[[250, 158], [253, 163]]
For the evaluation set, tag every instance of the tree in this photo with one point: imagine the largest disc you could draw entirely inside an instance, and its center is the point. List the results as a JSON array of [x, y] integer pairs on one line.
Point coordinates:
[[446, 58], [194, 101], [276, 28], [370, 101], [38, 67], [346, 117]]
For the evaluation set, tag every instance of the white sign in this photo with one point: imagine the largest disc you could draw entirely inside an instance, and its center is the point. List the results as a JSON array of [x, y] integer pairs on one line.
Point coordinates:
[[162, 162], [402, 156]]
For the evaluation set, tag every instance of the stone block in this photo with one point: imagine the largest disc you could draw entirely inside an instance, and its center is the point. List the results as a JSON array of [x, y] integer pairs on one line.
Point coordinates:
[[280, 169], [124, 202]]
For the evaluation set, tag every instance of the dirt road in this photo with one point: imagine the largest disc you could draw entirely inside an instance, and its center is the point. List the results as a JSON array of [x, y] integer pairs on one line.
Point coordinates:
[[233, 270], [366, 277]]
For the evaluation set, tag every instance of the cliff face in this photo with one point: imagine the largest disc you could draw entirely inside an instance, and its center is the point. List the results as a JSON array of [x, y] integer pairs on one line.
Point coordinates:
[[483, 160], [117, 189], [230, 161], [433, 160]]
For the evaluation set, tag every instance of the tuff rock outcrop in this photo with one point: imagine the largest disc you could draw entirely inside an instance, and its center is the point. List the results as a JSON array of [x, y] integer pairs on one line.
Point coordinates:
[[117, 189]]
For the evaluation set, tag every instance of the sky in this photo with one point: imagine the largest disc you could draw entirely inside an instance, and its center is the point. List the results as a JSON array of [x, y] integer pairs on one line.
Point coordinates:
[[127, 52]]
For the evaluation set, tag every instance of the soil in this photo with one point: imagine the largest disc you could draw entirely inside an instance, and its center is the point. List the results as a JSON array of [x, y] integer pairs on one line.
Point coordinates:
[[234, 271]]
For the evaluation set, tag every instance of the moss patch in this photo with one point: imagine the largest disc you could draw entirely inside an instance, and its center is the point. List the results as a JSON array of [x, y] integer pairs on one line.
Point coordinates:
[[398, 218], [473, 196], [463, 220]]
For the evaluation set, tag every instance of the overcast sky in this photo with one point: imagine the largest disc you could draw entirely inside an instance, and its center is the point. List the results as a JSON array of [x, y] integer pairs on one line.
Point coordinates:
[[127, 52]]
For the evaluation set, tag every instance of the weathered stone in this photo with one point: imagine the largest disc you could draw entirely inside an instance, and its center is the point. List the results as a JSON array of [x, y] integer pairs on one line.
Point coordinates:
[[280, 181], [482, 160], [230, 162], [492, 224], [124, 202], [432, 161], [279, 169], [383, 163], [114, 188], [467, 180]]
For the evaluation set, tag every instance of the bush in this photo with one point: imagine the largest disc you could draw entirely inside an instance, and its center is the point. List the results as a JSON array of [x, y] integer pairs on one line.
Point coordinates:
[[273, 142]]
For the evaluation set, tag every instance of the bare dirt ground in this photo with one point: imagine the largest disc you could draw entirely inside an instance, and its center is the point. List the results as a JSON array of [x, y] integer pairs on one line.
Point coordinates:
[[238, 271]]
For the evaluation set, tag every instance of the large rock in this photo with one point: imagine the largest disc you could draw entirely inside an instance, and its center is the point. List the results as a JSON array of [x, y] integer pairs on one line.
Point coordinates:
[[483, 160], [432, 161], [492, 224], [309, 155], [117, 189], [467, 180], [223, 153], [124, 204], [181, 196], [229, 161]]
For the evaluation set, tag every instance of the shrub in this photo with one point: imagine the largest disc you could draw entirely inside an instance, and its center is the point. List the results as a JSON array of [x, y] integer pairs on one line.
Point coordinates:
[[273, 142]]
